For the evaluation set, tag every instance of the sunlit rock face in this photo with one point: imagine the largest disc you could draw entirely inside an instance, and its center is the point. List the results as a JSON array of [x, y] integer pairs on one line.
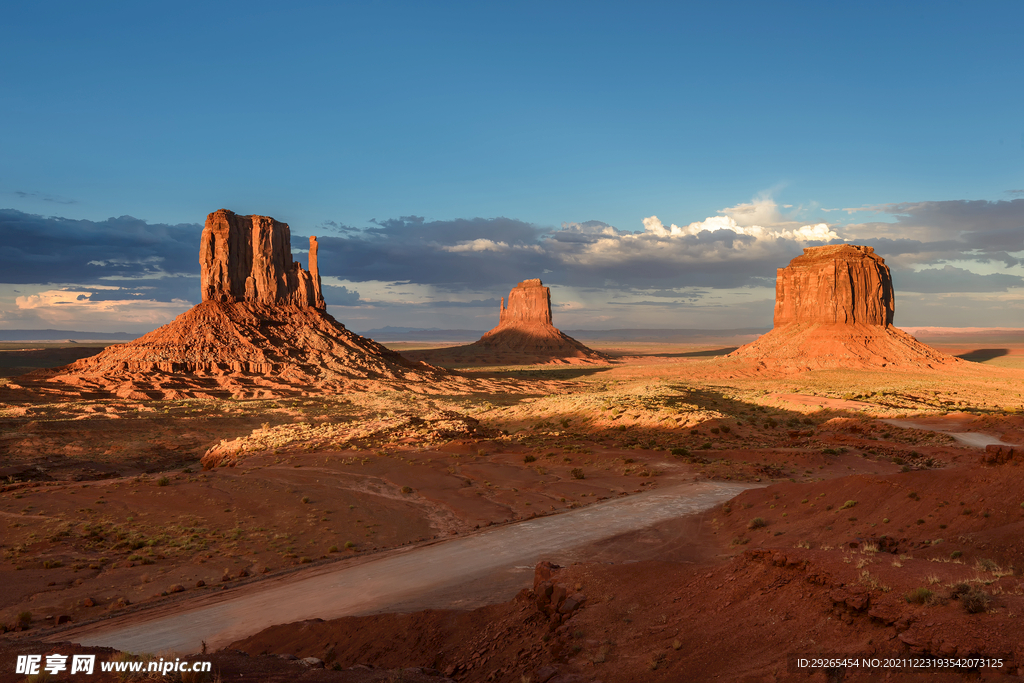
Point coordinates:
[[834, 308], [249, 258], [835, 284], [529, 303]]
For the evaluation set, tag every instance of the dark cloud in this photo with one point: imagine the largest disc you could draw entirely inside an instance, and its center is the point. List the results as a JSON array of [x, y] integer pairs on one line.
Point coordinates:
[[41, 249], [977, 230], [339, 295], [952, 279], [438, 253], [44, 197]]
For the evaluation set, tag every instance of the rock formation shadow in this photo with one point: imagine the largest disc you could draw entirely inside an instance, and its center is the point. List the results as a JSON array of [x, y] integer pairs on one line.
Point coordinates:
[[982, 355]]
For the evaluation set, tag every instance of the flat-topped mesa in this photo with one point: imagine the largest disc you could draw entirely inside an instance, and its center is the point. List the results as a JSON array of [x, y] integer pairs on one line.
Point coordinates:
[[834, 309], [249, 258], [529, 303], [840, 283]]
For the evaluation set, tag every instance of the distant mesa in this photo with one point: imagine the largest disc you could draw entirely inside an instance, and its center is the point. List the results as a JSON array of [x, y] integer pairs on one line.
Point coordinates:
[[525, 335], [260, 331], [834, 307]]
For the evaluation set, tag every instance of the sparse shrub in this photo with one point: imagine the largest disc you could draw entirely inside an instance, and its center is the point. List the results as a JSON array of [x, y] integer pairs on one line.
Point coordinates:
[[725, 429], [577, 473], [829, 451], [706, 446], [920, 521], [52, 564], [529, 458], [770, 423], [757, 523], [350, 544], [406, 489], [715, 430], [919, 596], [987, 565], [305, 500], [848, 504], [913, 495], [333, 549], [694, 432], [163, 481], [975, 600], [24, 619], [956, 554]]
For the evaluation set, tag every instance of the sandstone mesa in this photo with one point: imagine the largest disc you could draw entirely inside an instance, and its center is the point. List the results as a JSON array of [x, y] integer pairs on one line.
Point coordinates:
[[834, 307]]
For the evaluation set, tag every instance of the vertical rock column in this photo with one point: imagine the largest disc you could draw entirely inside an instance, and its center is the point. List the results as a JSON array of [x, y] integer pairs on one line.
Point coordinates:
[[249, 258]]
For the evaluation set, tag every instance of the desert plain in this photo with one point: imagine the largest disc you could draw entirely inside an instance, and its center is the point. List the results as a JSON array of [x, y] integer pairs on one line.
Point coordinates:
[[871, 519]]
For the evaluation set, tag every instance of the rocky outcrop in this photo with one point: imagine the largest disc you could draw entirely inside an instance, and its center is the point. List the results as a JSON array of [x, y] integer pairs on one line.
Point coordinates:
[[834, 307], [524, 336], [249, 258]]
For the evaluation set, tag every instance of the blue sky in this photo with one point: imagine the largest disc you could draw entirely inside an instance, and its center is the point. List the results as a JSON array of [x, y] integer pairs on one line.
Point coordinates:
[[435, 119]]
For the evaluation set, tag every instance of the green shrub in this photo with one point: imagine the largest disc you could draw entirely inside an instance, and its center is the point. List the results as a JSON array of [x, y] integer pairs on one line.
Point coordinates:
[[529, 458], [919, 596], [757, 523], [577, 473], [848, 504], [163, 481]]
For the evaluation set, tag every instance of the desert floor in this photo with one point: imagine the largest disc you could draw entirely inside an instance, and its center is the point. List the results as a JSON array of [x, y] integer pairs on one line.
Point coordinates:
[[857, 536]]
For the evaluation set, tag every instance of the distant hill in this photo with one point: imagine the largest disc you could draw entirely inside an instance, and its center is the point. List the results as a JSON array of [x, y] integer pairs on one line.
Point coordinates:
[[63, 335], [418, 334], [667, 335]]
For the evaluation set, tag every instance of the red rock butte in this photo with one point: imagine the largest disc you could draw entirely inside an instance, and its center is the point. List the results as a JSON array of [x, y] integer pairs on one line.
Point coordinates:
[[524, 336], [260, 331], [834, 307], [249, 258]]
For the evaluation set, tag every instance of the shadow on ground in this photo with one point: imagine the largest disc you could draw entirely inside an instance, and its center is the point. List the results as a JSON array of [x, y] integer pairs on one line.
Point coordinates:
[[982, 355]]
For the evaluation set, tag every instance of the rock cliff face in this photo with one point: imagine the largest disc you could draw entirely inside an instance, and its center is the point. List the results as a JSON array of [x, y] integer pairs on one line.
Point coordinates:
[[528, 304], [835, 284], [249, 258], [524, 336], [834, 307]]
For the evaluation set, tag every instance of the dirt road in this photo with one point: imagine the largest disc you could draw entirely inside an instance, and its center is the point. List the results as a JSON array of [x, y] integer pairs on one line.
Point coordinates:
[[975, 439], [488, 566]]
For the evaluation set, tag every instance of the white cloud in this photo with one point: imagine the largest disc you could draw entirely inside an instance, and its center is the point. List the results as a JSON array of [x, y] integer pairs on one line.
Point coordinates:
[[759, 219], [488, 245]]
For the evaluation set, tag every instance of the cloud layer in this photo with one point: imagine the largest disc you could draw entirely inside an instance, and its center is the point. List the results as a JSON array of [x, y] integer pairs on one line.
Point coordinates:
[[66, 268]]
